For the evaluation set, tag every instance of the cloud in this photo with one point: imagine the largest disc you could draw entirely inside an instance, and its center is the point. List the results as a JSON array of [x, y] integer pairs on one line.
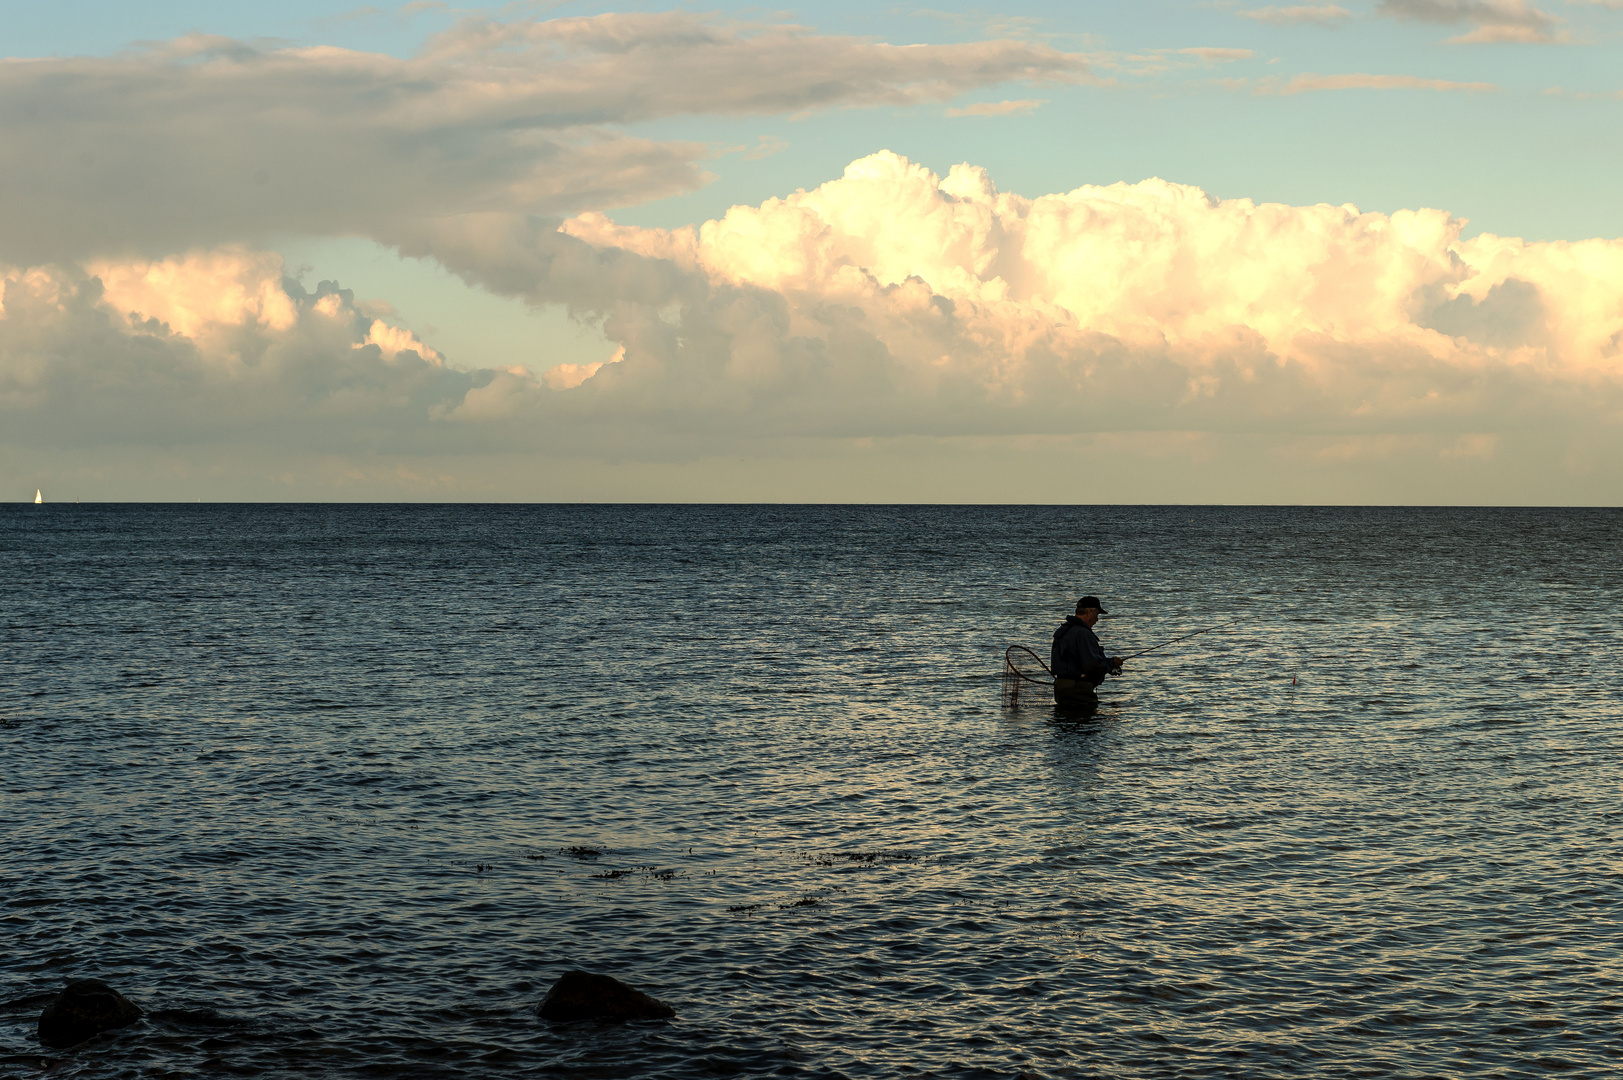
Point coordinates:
[[889, 304], [1218, 56], [1306, 83], [1491, 21], [999, 108], [1581, 95], [767, 146], [895, 302], [1316, 14], [203, 140], [1158, 61], [569, 376], [212, 348], [1503, 35]]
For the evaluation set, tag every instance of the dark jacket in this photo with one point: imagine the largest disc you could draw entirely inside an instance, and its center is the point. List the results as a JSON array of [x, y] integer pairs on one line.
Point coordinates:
[[1077, 654]]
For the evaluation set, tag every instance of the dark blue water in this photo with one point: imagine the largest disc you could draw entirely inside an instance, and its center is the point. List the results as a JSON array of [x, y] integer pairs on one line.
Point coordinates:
[[300, 781]]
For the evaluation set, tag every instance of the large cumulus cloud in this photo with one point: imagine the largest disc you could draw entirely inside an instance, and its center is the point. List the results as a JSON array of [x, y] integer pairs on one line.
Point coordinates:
[[207, 349], [891, 302], [896, 301]]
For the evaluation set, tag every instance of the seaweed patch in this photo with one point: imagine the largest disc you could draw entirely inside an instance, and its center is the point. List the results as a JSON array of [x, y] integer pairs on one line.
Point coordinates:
[[857, 858]]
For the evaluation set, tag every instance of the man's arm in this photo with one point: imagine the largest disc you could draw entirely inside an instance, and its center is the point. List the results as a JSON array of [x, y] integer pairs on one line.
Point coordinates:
[[1094, 661]]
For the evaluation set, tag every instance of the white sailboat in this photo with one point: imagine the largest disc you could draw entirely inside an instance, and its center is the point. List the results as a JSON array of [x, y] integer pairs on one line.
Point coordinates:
[[38, 498]]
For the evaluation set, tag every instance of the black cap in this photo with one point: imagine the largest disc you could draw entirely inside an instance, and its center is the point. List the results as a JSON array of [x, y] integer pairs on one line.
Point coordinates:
[[1091, 601]]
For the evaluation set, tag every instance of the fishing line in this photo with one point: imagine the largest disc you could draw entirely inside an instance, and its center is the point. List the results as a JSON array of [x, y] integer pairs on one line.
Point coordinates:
[[1241, 617], [1174, 641]]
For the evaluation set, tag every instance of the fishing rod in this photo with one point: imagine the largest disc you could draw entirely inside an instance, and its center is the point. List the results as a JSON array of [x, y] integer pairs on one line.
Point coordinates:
[[1174, 641], [1013, 676]]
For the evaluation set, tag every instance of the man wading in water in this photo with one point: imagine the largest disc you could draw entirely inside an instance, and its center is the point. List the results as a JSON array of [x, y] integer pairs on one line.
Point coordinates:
[[1078, 660]]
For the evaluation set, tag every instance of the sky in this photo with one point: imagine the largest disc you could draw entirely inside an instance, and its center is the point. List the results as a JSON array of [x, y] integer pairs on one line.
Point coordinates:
[[1162, 252]]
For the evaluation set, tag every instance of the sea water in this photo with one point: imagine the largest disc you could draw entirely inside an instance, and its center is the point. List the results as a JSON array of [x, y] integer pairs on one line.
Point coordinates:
[[341, 790]]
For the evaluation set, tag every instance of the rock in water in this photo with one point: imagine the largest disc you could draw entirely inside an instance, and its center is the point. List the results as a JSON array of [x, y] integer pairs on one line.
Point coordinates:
[[85, 1008], [580, 995]]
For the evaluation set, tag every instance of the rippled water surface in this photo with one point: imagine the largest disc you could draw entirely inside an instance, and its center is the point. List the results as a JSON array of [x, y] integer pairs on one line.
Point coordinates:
[[303, 781]]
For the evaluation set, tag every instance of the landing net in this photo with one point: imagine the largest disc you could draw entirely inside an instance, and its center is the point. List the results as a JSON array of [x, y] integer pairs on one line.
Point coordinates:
[[1023, 671]]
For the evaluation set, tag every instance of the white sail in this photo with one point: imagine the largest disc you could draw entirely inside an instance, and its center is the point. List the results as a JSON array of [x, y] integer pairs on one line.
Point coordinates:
[[38, 498]]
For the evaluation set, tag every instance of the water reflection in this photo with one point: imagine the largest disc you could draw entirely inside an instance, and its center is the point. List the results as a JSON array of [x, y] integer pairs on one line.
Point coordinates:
[[1075, 710]]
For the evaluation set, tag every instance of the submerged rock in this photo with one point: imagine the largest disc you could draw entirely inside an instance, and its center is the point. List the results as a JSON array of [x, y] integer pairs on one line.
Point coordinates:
[[85, 1008], [580, 995]]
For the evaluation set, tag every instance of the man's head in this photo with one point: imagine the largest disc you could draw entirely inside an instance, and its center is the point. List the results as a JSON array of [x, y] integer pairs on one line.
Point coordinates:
[[1088, 609]]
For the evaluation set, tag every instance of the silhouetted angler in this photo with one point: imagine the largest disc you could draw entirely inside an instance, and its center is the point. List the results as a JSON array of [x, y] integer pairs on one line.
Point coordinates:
[[1077, 659]]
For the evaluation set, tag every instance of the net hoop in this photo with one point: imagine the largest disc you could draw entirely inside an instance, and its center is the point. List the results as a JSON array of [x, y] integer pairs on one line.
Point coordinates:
[[1017, 682]]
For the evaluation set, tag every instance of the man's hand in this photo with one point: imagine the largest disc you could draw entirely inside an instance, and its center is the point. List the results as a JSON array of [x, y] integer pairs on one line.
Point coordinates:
[[1116, 662]]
